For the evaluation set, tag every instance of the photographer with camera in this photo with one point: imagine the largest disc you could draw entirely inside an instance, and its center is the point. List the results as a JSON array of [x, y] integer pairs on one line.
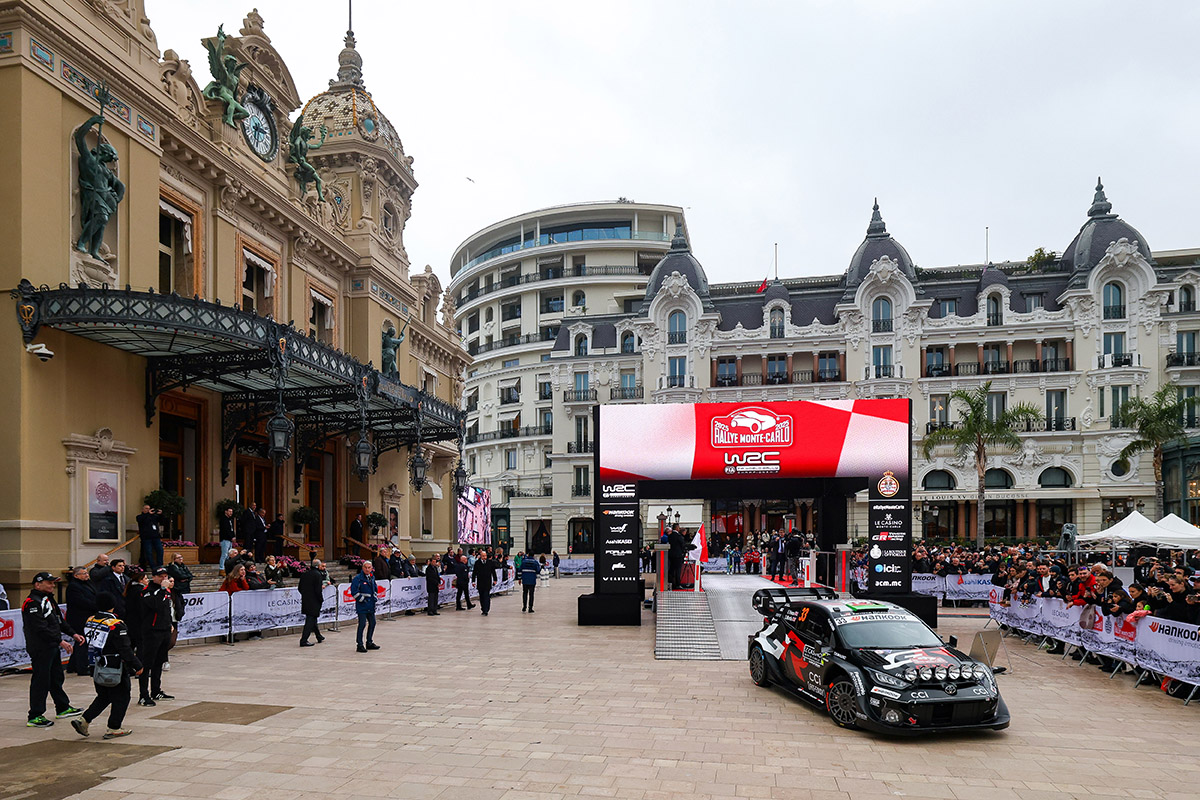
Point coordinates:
[[150, 527]]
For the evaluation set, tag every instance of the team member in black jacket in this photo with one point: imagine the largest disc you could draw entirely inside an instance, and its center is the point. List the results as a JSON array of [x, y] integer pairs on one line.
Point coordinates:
[[485, 576], [108, 638], [158, 618], [462, 580], [433, 582], [312, 596], [44, 631]]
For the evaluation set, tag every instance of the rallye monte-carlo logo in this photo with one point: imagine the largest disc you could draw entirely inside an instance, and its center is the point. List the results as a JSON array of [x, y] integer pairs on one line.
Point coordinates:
[[888, 485], [753, 426]]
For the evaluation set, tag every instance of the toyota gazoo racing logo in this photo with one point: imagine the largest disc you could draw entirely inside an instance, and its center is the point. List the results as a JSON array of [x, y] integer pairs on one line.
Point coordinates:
[[618, 491], [753, 426], [889, 536]]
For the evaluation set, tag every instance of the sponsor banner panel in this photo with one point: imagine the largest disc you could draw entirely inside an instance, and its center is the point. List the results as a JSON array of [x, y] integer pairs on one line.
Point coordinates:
[[617, 563], [205, 614], [1170, 648], [329, 603], [1114, 637], [12, 640], [968, 587], [928, 583], [265, 609], [889, 556]]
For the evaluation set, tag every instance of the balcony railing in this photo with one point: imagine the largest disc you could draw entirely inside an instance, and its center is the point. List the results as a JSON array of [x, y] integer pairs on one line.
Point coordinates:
[[1023, 365], [1114, 312], [937, 370], [884, 371], [584, 490], [542, 491], [1118, 360], [579, 395], [776, 331], [552, 306], [508, 398], [1183, 359], [966, 368], [881, 326], [1028, 426], [677, 337], [995, 319], [1056, 365], [995, 367], [510, 433], [626, 392], [1186, 305], [507, 341], [802, 376], [828, 375], [677, 382], [579, 447], [468, 295]]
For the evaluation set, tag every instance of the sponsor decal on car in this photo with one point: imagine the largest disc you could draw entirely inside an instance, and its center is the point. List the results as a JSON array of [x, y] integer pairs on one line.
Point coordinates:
[[890, 617], [888, 693], [858, 684]]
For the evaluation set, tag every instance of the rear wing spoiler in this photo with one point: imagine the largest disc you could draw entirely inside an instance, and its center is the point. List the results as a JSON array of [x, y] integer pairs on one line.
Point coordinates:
[[768, 601]]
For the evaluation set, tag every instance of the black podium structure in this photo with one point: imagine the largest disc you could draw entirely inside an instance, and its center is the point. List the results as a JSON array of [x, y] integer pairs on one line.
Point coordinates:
[[824, 449]]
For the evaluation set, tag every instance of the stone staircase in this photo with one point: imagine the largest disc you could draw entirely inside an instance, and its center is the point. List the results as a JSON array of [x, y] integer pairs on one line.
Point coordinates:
[[209, 576]]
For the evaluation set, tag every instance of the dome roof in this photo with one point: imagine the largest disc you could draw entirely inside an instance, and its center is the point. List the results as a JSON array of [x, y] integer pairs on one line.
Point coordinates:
[[1102, 229], [347, 109], [776, 291], [992, 277], [879, 243], [678, 259]]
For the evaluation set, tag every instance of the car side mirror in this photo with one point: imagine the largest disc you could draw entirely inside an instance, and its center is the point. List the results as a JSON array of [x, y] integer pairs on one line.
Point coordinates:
[[952, 641]]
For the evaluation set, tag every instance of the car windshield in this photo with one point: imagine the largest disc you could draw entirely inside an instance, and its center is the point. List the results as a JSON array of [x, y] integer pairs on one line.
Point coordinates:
[[887, 635]]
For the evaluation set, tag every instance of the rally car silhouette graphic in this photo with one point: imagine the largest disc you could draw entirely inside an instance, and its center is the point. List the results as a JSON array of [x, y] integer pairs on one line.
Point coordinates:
[[872, 665], [756, 421]]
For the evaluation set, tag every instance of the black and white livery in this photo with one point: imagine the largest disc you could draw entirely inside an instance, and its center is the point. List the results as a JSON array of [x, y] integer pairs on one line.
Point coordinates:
[[871, 664]]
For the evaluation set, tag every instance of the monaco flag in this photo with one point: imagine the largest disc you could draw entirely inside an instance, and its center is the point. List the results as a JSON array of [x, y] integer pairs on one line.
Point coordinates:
[[701, 542]]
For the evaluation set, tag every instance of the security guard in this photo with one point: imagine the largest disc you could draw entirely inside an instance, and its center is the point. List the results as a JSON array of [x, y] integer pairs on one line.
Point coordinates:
[[108, 639], [44, 631]]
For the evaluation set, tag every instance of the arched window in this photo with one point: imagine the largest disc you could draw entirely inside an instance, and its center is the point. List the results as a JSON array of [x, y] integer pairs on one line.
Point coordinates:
[[997, 479], [1055, 478], [881, 315], [777, 323], [939, 479], [628, 340], [489, 315], [1187, 299], [581, 345], [1114, 300], [579, 298], [677, 328], [995, 311]]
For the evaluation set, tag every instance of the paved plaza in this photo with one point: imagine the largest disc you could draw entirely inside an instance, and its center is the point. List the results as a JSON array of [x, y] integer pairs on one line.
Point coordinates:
[[517, 706]]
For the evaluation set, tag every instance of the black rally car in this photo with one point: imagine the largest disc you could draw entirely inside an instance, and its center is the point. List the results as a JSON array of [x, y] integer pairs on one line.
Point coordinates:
[[873, 665]]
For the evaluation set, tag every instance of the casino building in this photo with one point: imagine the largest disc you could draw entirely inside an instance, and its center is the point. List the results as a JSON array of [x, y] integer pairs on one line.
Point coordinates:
[[1076, 335], [249, 328]]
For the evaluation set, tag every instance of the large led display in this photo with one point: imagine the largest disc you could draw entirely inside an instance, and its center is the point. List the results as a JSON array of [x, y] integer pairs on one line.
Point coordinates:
[[475, 516]]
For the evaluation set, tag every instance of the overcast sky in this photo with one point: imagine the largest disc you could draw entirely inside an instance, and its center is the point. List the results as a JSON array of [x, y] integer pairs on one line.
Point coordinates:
[[769, 121]]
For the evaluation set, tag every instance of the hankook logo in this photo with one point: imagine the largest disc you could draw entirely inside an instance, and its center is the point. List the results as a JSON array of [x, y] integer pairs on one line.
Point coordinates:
[[752, 426], [620, 513]]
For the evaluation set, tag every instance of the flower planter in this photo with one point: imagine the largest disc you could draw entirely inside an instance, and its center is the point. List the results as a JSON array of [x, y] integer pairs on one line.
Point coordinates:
[[191, 555]]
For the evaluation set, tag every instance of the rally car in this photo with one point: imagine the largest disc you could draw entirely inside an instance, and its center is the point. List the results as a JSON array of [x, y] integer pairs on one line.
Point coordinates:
[[871, 664]]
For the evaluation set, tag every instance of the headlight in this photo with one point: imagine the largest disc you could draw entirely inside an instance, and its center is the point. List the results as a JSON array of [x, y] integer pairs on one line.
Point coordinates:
[[982, 673], [911, 674], [926, 673], [885, 679], [940, 673], [953, 672]]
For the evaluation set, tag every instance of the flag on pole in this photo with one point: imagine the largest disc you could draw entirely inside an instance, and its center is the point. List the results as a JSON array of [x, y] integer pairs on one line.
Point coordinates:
[[763, 287], [701, 542]]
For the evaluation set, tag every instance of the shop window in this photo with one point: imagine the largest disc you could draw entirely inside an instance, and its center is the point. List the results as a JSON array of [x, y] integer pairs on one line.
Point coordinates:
[[175, 263], [258, 284]]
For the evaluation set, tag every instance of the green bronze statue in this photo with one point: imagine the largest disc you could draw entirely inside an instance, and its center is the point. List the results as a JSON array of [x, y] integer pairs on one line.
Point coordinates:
[[301, 144], [391, 342], [226, 72], [100, 191]]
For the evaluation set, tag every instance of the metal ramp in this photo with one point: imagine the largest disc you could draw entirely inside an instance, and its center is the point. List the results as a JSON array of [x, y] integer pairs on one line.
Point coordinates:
[[683, 628], [733, 616]]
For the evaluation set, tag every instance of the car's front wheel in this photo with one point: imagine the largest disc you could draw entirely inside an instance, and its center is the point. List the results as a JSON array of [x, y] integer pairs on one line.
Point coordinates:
[[840, 702], [758, 667]]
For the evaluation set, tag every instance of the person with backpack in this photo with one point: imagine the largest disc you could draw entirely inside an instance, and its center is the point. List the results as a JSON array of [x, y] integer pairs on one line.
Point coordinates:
[[109, 643]]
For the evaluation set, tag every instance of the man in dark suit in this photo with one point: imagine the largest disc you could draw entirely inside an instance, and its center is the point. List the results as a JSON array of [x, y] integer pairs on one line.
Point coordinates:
[[356, 533], [115, 584], [312, 595], [81, 604], [485, 575], [150, 525], [248, 525], [275, 535], [260, 537], [433, 582], [679, 548]]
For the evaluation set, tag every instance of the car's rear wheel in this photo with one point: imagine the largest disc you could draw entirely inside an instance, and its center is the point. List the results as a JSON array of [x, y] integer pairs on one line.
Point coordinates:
[[758, 667], [840, 702]]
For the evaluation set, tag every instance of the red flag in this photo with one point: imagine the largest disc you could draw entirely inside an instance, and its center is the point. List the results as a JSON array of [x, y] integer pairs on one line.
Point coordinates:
[[762, 288], [702, 543]]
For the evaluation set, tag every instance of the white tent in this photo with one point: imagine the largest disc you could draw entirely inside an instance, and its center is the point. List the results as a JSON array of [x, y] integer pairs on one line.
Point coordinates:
[[1137, 529]]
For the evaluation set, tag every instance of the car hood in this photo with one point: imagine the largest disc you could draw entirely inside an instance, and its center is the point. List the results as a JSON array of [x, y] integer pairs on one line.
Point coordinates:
[[897, 660]]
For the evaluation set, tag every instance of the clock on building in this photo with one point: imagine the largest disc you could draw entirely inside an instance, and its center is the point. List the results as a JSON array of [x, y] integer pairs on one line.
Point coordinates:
[[259, 126]]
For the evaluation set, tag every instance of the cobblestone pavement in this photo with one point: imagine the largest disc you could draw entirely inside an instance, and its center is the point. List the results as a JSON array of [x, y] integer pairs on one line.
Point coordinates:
[[517, 706]]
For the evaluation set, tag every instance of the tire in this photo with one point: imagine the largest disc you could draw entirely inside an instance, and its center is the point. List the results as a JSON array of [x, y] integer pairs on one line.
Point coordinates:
[[840, 702], [758, 667]]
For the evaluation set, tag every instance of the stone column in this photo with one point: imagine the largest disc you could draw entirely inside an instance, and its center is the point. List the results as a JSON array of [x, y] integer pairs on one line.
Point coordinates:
[[921, 363], [738, 363], [1071, 353], [1010, 361], [841, 361], [789, 367], [1031, 527], [713, 380], [1020, 511]]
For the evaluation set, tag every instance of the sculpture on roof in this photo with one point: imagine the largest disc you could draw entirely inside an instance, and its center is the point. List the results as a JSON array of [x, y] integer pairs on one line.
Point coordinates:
[[301, 144], [226, 72], [100, 190], [391, 342]]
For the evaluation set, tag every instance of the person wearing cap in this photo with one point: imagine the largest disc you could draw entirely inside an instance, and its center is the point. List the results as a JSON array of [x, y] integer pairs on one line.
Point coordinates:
[[108, 639], [158, 618], [44, 631]]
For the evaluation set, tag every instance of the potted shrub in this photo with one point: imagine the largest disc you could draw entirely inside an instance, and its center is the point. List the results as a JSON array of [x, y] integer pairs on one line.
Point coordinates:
[[375, 521], [171, 504], [302, 517]]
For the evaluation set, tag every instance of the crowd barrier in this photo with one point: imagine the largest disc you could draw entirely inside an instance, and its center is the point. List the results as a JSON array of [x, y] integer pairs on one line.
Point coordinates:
[[217, 614], [1157, 645]]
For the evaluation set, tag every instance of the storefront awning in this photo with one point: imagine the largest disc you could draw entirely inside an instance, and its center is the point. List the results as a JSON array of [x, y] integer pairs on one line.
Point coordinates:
[[431, 490]]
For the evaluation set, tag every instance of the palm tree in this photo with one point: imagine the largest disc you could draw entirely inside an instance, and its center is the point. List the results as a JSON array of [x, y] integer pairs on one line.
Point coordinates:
[[1156, 422], [978, 433]]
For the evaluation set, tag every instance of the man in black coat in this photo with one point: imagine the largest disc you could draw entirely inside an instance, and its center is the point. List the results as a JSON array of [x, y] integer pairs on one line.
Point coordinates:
[[485, 576], [312, 596], [150, 527], [158, 618], [462, 581], [116, 584], [44, 630], [679, 548], [248, 526], [81, 604], [181, 574], [275, 535], [100, 570], [433, 582], [356, 533], [227, 535]]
